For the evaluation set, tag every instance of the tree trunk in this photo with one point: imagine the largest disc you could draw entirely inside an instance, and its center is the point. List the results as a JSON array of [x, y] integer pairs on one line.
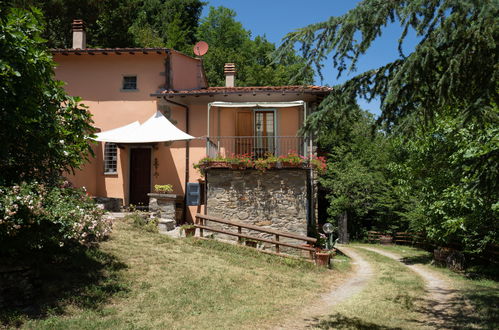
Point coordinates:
[[343, 228]]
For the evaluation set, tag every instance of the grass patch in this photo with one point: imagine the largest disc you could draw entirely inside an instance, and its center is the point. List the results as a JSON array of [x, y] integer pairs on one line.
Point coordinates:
[[187, 283], [389, 301], [480, 292]]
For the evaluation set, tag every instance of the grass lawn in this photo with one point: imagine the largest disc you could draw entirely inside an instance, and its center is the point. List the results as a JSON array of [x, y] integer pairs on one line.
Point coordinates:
[[480, 292], [390, 300], [146, 280]]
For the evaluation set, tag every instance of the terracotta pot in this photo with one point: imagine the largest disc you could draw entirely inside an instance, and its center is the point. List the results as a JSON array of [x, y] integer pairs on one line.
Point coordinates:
[[289, 165], [237, 166], [322, 259], [307, 254], [216, 164]]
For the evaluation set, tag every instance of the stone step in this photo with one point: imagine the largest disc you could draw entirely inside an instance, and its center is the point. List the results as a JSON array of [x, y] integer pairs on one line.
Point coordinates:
[[166, 225]]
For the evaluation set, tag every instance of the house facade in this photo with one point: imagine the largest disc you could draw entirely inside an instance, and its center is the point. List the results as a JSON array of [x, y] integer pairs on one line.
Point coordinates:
[[124, 85]]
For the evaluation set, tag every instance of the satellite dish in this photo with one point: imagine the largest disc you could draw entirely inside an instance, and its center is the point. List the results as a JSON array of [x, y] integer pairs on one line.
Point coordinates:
[[200, 48]]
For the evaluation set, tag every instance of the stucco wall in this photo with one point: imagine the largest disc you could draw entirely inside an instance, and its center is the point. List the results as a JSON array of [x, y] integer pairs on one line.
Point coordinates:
[[275, 199]]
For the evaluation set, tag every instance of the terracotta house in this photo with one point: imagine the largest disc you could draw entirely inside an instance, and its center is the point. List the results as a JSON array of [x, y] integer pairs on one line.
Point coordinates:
[[124, 85]]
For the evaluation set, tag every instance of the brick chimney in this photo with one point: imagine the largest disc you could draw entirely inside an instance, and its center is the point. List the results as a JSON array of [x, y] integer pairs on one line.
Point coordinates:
[[79, 34], [230, 74]]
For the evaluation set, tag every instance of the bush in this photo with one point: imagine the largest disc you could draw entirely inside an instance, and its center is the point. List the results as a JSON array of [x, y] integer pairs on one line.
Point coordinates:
[[142, 220], [35, 216]]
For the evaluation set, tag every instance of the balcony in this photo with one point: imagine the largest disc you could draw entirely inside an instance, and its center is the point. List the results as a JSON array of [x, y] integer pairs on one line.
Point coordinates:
[[257, 146]]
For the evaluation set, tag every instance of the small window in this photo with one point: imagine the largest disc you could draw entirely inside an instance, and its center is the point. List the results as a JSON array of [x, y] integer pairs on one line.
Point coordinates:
[[110, 158], [129, 82]]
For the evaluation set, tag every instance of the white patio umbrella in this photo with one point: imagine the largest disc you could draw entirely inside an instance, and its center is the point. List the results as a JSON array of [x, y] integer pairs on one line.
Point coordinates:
[[156, 129]]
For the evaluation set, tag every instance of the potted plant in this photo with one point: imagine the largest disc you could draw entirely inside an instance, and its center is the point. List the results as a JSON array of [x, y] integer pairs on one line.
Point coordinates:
[[292, 159], [261, 164], [202, 165], [218, 162], [240, 162], [163, 188], [322, 257], [190, 230]]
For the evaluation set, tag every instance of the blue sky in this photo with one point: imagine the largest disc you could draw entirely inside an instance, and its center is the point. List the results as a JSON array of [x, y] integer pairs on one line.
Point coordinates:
[[275, 18]]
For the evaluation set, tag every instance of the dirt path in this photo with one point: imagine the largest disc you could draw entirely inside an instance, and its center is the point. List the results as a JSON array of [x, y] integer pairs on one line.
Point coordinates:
[[338, 293], [442, 305]]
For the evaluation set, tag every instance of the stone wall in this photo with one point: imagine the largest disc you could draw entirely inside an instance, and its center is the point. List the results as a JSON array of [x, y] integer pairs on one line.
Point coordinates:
[[275, 199]]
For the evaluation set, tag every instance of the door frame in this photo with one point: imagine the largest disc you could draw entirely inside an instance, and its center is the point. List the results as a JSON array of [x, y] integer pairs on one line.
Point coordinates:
[[128, 186], [274, 110]]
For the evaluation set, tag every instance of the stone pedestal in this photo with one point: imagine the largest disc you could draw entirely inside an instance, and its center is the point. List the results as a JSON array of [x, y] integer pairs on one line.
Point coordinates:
[[166, 207]]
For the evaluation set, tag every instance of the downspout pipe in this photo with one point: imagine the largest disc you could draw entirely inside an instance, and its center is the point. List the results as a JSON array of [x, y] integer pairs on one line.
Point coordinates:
[[187, 146]]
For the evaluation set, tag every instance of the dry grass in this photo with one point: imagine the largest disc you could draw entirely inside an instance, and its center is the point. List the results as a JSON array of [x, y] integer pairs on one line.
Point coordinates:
[[189, 283], [481, 293], [390, 301]]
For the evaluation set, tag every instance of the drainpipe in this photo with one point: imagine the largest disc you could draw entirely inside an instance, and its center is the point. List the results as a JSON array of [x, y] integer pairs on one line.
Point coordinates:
[[208, 130], [187, 145]]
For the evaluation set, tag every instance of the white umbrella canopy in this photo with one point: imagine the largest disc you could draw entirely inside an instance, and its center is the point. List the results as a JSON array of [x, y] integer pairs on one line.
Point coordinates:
[[156, 129]]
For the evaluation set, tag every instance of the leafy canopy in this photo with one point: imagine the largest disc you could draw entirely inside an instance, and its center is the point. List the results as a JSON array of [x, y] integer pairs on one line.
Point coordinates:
[[455, 63], [44, 131], [230, 42], [121, 23]]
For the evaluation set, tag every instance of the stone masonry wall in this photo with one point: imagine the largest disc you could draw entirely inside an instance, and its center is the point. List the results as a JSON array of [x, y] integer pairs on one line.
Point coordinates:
[[275, 199]]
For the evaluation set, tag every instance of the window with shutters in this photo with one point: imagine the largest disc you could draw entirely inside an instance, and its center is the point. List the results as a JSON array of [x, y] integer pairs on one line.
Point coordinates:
[[110, 158]]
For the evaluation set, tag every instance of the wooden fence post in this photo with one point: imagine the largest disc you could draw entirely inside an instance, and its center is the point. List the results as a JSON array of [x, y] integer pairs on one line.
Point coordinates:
[[277, 247]]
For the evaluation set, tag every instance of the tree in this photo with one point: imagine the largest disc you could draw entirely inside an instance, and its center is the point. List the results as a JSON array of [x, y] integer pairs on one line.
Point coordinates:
[[121, 23], [454, 64], [230, 42], [167, 23], [45, 131], [453, 171], [441, 100], [358, 184]]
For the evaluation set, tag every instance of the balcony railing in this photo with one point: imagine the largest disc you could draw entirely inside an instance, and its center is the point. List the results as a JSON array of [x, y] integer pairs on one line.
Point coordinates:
[[258, 146]]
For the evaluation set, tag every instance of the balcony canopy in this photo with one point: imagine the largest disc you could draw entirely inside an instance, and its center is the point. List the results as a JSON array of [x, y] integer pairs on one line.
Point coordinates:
[[257, 104], [156, 129]]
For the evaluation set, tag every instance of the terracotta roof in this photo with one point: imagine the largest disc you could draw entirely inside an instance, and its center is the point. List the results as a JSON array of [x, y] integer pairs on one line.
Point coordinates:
[[245, 90], [105, 51]]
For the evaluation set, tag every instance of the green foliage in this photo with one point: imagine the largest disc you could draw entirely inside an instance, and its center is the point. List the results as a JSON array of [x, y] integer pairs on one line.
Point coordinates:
[[441, 102], [163, 188], [453, 171], [165, 23], [35, 216], [231, 43], [454, 63], [121, 23], [44, 131], [142, 220], [357, 180]]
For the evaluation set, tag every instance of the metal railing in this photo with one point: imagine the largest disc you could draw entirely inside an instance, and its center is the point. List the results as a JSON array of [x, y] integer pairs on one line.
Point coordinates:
[[257, 146]]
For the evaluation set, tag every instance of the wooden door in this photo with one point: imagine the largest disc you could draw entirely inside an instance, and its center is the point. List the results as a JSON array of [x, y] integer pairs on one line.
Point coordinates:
[[140, 176], [264, 133], [244, 128]]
